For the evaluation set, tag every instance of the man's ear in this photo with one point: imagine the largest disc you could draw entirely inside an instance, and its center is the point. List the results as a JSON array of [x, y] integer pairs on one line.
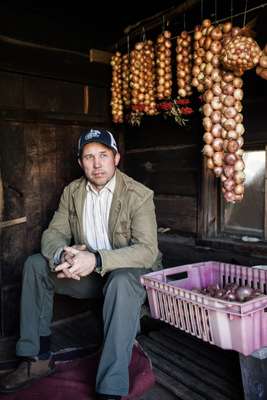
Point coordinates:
[[80, 163], [117, 158]]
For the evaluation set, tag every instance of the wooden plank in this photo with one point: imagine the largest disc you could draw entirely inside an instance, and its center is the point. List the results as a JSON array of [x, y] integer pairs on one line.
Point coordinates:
[[265, 201], [227, 360], [100, 56], [12, 240], [11, 90], [254, 377], [181, 249], [10, 302], [155, 131], [181, 391], [168, 170], [99, 103], [211, 368], [33, 205], [65, 66], [1, 196], [154, 21], [176, 212], [12, 257], [80, 330], [47, 172], [11, 222], [162, 361], [52, 117], [67, 167], [158, 392], [208, 204], [12, 158], [54, 96], [85, 99], [75, 169], [181, 362]]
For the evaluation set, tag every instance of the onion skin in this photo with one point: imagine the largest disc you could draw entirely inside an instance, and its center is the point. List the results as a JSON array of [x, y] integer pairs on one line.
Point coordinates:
[[223, 97], [208, 150], [231, 291], [218, 158], [184, 66], [243, 292], [230, 196], [240, 53], [239, 177], [208, 137], [217, 144], [232, 146], [210, 163], [263, 61], [239, 189], [163, 70], [263, 74], [230, 159], [228, 170]]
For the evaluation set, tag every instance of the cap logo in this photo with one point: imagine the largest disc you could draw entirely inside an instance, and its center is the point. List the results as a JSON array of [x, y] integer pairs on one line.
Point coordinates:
[[113, 143], [92, 134]]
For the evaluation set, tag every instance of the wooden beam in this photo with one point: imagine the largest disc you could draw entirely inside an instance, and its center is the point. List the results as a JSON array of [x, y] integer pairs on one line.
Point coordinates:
[[253, 371], [100, 56], [85, 99], [1, 196], [156, 20], [265, 203], [12, 222]]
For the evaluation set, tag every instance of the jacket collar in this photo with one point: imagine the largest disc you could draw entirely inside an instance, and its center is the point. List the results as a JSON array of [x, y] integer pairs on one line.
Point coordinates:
[[79, 195], [116, 205]]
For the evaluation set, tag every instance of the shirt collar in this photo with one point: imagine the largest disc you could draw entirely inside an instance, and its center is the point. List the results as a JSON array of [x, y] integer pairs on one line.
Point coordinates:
[[110, 186]]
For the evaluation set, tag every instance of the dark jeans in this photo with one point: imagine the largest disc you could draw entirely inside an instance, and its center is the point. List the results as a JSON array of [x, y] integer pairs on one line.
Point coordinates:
[[123, 298]]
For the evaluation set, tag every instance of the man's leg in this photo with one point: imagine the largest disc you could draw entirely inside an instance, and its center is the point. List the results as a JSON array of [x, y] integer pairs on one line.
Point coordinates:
[[38, 287], [35, 317], [124, 296], [36, 305]]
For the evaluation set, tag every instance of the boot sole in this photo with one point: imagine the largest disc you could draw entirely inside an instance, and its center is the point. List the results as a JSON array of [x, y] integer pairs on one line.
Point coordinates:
[[26, 384]]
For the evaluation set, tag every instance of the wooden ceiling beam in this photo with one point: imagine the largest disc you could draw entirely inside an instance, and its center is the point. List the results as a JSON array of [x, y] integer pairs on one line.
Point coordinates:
[[154, 21]]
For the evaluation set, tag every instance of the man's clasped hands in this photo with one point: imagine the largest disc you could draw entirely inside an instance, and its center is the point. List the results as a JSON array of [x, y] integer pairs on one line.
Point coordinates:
[[76, 262]]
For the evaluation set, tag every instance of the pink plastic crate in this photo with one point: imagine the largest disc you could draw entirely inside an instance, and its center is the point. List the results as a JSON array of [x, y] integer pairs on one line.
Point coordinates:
[[230, 325]]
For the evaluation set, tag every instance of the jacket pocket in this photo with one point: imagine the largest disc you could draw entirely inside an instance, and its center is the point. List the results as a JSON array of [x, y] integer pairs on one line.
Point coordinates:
[[123, 229]]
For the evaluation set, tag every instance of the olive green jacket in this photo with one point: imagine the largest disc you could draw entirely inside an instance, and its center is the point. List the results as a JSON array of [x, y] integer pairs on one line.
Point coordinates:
[[132, 226]]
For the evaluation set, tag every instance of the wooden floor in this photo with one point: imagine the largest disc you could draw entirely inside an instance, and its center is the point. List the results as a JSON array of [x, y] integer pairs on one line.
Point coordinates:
[[186, 368]]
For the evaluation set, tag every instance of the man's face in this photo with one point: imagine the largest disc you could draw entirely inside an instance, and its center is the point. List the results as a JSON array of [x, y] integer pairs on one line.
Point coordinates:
[[99, 164]]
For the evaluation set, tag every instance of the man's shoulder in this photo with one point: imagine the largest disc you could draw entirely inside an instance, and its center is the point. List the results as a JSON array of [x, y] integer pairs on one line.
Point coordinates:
[[75, 184], [136, 187]]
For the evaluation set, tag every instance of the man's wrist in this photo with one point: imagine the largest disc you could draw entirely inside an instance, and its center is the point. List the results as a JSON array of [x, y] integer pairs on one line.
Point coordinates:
[[98, 262], [58, 255]]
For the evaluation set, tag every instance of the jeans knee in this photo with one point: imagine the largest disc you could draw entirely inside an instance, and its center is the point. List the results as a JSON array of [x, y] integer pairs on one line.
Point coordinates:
[[123, 283], [120, 280], [34, 263]]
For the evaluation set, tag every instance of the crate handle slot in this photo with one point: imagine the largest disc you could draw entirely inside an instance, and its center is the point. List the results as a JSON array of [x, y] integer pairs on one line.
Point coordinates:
[[177, 277]]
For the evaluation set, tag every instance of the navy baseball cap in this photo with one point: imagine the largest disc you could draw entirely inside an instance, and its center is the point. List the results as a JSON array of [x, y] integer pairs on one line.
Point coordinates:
[[97, 135]]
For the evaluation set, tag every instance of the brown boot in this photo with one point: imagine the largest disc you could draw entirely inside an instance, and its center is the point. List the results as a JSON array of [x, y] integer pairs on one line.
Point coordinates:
[[27, 372]]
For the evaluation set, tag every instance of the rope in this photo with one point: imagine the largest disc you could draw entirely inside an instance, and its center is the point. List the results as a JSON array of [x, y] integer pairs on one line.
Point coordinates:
[[232, 9], [245, 13]]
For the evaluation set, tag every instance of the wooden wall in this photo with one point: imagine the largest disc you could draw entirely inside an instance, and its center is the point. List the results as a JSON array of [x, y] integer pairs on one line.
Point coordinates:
[[42, 112], [165, 157], [41, 118]]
